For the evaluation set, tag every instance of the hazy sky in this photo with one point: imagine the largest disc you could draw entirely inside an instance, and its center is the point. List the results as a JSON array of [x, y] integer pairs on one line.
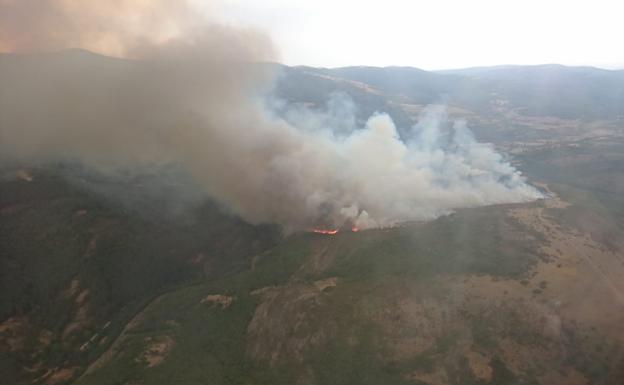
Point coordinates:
[[437, 34]]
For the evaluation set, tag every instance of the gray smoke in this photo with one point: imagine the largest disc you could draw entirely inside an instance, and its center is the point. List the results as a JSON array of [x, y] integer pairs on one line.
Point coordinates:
[[191, 98]]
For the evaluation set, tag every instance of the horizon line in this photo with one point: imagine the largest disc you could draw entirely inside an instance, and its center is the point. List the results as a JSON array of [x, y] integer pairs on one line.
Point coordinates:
[[619, 67]]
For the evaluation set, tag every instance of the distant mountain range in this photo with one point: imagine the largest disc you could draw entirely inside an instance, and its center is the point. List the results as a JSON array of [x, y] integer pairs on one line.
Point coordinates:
[[541, 90], [538, 90]]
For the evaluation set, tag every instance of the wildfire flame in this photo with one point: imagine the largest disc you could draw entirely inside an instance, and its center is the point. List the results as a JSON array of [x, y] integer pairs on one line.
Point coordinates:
[[326, 232], [331, 232]]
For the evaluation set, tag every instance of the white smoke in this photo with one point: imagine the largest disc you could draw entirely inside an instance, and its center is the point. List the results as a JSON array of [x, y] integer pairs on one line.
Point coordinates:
[[189, 102], [372, 178]]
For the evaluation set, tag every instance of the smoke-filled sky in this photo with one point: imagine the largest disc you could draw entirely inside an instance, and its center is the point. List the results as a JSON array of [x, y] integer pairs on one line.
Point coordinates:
[[193, 101], [438, 34], [426, 34]]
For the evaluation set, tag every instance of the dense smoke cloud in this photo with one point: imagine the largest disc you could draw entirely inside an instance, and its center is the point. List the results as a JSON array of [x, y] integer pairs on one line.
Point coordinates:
[[113, 27], [192, 100]]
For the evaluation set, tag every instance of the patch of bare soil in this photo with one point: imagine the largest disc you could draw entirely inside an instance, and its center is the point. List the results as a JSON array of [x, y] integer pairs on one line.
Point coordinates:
[[535, 325], [81, 315], [156, 350], [24, 175], [468, 319], [324, 284], [410, 322], [436, 376], [45, 338], [91, 246], [217, 299], [73, 288], [117, 345], [57, 375], [566, 292], [80, 299], [582, 279], [102, 226], [23, 339], [287, 322], [480, 366], [14, 331]]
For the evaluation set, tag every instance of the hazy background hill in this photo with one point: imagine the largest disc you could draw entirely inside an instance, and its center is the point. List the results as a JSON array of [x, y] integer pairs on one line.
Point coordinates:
[[542, 90]]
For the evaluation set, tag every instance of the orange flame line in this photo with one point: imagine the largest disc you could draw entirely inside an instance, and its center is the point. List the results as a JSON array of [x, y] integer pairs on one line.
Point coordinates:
[[326, 232]]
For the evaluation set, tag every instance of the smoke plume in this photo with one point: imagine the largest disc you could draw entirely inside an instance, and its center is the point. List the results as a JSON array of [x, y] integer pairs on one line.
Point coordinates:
[[187, 95]]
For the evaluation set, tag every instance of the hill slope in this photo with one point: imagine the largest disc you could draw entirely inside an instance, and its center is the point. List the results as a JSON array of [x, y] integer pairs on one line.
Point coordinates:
[[108, 281]]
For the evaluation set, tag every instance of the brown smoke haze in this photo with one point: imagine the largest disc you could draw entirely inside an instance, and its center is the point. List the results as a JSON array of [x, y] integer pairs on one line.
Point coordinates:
[[188, 96]]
